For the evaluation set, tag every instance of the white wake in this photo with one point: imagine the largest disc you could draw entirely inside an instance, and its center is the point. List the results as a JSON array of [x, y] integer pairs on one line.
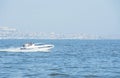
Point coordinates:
[[20, 50]]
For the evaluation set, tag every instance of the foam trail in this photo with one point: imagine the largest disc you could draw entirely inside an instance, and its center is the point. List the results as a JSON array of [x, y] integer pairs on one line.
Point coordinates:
[[19, 50]]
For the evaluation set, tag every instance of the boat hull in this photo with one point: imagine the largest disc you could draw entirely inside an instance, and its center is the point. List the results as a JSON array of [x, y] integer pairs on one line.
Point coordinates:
[[38, 48]]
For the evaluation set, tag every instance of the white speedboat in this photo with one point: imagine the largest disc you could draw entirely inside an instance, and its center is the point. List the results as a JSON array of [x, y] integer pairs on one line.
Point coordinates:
[[30, 47], [37, 47]]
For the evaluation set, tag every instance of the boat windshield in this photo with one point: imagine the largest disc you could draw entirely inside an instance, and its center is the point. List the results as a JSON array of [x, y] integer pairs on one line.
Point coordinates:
[[28, 44]]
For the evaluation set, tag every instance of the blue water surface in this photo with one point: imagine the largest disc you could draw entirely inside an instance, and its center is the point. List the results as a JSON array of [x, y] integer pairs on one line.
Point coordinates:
[[68, 59]]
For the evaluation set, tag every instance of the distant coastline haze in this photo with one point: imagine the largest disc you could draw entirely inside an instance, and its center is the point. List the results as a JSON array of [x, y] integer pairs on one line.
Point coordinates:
[[97, 17]]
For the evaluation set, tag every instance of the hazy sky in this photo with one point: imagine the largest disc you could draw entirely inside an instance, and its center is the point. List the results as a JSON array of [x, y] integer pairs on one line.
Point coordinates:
[[65, 16]]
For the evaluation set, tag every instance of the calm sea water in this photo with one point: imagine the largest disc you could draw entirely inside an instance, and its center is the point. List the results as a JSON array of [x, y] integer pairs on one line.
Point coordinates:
[[69, 59]]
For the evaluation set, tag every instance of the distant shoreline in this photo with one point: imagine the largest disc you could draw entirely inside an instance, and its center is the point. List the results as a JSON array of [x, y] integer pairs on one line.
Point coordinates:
[[52, 39]]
